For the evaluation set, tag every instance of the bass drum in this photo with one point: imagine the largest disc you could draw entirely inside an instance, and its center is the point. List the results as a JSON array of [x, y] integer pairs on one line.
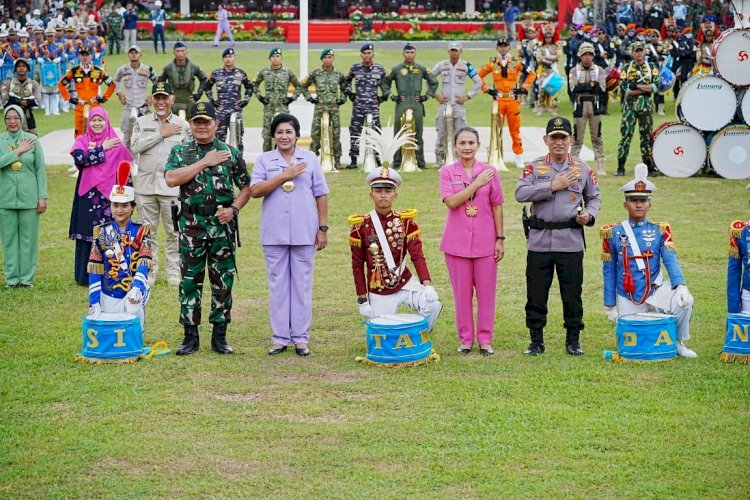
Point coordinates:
[[707, 103], [729, 152], [731, 56], [679, 149], [743, 106]]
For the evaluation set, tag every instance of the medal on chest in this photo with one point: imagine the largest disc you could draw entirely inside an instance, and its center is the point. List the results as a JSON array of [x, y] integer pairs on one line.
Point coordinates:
[[16, 165], [471, 208]]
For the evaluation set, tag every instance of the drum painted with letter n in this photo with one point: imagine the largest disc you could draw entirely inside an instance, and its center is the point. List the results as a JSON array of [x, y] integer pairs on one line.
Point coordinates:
[[112, 338], [646, 337], [737, 343], [398, 340]]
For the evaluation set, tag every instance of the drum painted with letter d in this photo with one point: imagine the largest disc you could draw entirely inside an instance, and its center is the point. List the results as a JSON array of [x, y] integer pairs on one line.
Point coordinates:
[[646, 337], [112, 338], [398, 339], [737, 342]]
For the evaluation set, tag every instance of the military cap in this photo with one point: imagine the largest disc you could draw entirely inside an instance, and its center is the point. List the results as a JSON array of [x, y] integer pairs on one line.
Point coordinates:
[[203, 110], [23, 33], [136, 48], [637, 45], [162, 88], [559, 125], [227, 52], [274, 52], [179, 45], [326, 52], [409, 46], [640, 186], [585, 48], [71, 29], [383, 177], [455, 45], [502, 41], [38, 29], [21, 60], [59, 27], [92, 24], [367, 46], [84, 50], [49, 31]]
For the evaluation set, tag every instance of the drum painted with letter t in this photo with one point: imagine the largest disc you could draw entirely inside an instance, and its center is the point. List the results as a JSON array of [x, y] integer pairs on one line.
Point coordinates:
[[737, 342], [399, 340], [646, 337], [112, 338]]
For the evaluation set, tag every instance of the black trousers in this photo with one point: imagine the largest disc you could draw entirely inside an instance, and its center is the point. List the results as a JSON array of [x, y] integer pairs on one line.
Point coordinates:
[[81, 272], [540, 268]]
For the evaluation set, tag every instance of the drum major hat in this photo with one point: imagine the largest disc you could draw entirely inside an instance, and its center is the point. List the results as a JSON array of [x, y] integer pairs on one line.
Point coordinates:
[[121, 192], [49, 31], [23, 33], [585, 48], [640, 186], [384, 177]]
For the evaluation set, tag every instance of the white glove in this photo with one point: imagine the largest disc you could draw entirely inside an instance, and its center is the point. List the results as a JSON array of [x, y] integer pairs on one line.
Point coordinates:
[[430, 294], [40, 60], [684, 299], [365, 310], [134, 296], [56, 60], [612, 313], [95, 311]]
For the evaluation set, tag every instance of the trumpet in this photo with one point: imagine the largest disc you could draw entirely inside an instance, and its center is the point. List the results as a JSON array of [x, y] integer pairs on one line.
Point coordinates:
[[495, 150], [408, 150], [234, 134], [450, 129], [370, 162], [131, 125], [182, 114], [86, 111], [326, 144]]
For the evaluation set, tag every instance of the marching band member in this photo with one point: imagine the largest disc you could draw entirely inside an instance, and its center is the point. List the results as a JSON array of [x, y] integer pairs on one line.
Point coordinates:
[[706, 37], [547, 56], [380, 241], [738, 267], [632, 254], [49, 57]]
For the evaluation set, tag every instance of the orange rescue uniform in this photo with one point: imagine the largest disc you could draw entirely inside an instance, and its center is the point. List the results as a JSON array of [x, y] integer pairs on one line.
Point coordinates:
[[87, 83], [505, 72]]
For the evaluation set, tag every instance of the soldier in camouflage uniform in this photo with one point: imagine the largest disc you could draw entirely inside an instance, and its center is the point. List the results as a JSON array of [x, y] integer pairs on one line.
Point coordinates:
[[114, 31], [205, 169], [181, 75], [368, 75], [229, 81], [330, 85], [408, 77], [277, 80], [638, 84]]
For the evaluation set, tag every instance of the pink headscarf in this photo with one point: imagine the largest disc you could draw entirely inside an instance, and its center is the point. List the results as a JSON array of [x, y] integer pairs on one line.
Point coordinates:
[[102, 175]]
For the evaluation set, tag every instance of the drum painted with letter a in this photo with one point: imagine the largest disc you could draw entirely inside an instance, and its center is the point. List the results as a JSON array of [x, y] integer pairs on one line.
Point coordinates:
[[679, 150], [729, 152], [398, 338], [112, 337], [731, 56], [737, 342], [646, 337], [707, 102], [553, 84]]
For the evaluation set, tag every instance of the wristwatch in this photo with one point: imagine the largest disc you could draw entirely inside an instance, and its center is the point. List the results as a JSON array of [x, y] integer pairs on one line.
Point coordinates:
[[361, 300], [323, 228], [502, 238], [235, 210]]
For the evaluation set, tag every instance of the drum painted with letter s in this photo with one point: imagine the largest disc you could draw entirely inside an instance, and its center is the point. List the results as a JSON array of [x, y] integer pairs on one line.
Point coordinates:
[[737, 342], [646, 337], [398, 338], [552, 84], [731, 56], [679, 150], [112, 337], [707, 102], [729, 152]]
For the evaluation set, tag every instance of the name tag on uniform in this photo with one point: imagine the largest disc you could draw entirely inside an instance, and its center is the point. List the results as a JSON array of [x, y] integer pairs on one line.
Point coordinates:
[[149, 129], [273, 169]]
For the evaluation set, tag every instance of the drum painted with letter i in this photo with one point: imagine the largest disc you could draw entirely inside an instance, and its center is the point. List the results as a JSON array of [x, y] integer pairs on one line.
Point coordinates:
[[112, 338], [398, 339], [737, 342], [646, 337]]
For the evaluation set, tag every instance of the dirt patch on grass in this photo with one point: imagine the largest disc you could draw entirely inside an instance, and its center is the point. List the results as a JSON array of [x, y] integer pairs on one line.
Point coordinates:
[[296, 418], [231, 468], [248, 398]]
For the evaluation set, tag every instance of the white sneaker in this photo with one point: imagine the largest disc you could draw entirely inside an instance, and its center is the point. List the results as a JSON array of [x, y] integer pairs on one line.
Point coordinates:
[[73, 170], [519, 162], [174, 280], [685, 352]]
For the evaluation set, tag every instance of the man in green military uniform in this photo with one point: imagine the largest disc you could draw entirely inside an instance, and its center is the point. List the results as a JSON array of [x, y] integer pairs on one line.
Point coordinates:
[[114, 30], [330, 85], [206, 169], [638, 85], [181, 75], [277, 81], [408, 77]]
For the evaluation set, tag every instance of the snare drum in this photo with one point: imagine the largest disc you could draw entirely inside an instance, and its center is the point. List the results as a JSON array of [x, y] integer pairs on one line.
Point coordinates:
[[737, 343], [730, 54], [707, 102], [112, 337], [729, 152], [613, 79], [552, 84], [646, 337], [679, 150], [743, 106], [398, 339]]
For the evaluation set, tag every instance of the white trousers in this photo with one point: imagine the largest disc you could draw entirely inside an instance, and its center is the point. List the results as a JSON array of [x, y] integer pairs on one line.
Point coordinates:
[[411, 295], [113, 305], [625, 308], [51, 103], [746, 301]]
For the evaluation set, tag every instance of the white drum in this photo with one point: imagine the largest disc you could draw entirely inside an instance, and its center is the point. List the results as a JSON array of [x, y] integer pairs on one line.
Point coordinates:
[[743, 106], [731, 56], [729, 152], [679, 150], [707, 102]]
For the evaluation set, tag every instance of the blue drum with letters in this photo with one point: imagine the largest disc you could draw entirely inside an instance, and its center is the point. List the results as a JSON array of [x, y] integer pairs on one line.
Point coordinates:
[[737, 343], [646, 337], [112, 337], [398, 339], [553, 84]]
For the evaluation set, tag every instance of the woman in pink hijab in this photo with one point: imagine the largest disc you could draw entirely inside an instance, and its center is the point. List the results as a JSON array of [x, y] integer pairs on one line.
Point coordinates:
[[96, 154]]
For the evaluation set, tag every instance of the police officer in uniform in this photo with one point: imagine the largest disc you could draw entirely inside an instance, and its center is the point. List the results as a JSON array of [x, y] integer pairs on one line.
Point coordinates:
[[206, 170], [277, 79], [564, 196], [229, 81], [181, 74], [367, 76], [133, 80], [408, 77]]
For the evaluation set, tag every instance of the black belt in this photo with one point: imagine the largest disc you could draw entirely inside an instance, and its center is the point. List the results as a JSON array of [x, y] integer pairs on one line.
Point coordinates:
[[204, 210], [537, 223]]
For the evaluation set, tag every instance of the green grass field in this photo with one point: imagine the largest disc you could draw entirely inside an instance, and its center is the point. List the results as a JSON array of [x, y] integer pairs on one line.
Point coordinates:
[[250, 425]]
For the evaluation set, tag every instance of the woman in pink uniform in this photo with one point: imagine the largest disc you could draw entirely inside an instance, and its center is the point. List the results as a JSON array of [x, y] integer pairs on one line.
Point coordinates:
[[473, 240]]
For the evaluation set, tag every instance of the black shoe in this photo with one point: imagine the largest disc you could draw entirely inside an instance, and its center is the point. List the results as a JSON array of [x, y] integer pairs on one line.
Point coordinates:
[[302, 351], [620, 172], [535, 349], [574, 349], [353, 164], [486, 351], [190, 343], [277, 350], [463, 349], [219, 339]]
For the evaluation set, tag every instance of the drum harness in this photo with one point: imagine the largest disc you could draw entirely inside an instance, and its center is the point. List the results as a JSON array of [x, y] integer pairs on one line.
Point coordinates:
[[641, 261]]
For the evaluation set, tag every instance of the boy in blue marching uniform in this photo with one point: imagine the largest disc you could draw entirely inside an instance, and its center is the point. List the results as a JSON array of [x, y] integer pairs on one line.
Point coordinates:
[[120, 257], [632, 252], [738, 267]]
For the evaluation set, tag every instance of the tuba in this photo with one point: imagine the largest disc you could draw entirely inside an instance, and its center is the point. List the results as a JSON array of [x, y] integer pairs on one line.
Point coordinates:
[[408, 151], [86, 111], [450, 129], [326, 144], [370, 162], [495, 150], [234, 133]]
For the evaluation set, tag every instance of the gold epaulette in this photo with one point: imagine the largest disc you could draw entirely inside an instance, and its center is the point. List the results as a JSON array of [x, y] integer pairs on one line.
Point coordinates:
[[98, 232], [409, 213], [95, 268], [605, 232], [736, 227], [414, 236], [356, 219], [493, 59], [664, 227]]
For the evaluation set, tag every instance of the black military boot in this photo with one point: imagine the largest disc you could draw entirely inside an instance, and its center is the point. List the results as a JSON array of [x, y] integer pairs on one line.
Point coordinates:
[[191, 342], [537, 343], [353, 164], [573, 344], [219, 339], [620, 167], [652, 170]]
